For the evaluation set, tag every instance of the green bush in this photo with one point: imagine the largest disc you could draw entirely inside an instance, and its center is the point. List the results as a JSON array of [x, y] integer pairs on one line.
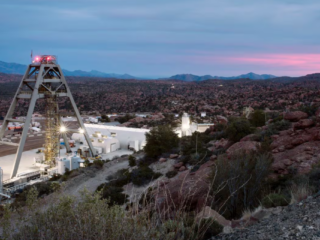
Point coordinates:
[[238, 128], [113, 194], [258, 118], [210, 227], [159, 140], [132, 161], [143, 175], [98, 163], [120, 178], [171, 174], [43, 188], [274, 200], [238, 182], [55, 177]]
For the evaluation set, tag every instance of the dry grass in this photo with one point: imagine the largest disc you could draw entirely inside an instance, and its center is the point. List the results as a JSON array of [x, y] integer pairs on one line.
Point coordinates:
[[300, 192]]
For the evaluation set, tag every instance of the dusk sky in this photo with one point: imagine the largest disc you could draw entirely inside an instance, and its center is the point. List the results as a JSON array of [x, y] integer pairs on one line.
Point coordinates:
[[157, 38]]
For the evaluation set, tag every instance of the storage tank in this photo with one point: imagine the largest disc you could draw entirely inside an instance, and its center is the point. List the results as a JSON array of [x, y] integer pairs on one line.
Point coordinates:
[[63, 163], [75, 162]]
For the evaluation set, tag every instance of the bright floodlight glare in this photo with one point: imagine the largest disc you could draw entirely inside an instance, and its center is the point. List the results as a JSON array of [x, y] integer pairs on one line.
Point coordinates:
[[63, 129], [81, 131]]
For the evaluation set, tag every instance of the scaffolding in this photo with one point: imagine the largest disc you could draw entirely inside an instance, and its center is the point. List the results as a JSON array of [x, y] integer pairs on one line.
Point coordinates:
[[51, 146]]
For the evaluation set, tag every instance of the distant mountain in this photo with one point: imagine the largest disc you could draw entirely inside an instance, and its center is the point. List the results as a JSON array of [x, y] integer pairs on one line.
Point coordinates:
[[190, 77], [15, 68]]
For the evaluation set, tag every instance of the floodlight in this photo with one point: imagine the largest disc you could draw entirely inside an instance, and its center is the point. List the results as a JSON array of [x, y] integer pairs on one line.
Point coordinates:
[[63, 129]]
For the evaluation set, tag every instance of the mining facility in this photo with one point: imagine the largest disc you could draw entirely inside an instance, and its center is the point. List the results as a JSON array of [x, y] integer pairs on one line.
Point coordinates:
[[43, 79]]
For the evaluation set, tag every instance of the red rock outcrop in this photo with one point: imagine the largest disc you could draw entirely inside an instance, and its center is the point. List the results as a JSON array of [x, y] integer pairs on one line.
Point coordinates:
[[245, 146], [304, 123], [186, 189], [298, 150], [295, 116]]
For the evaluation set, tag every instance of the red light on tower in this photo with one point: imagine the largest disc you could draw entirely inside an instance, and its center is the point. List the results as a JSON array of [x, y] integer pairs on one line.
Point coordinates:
[[37, 59]]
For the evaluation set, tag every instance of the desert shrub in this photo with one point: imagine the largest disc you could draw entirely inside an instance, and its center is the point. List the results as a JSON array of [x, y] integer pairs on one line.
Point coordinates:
[[194, 143], [132, 161], [64, 178], [125, 118], [113, 194], [274, 200], [210, 227], [171, 174], [238, 182], [42, 188], [98, 163], [55, 177], [146, 161], [143, 175], [87, 163], [310, 110], [120, 178], [258, 118], [159, 140], [238, 128], [92, 217]]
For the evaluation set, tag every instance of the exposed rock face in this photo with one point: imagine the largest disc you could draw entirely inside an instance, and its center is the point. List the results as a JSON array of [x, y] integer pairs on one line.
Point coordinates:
[[222, 143], [186, 188], [246, 146], [250, 137], [298, 150], [295, 116], [174, 155], [304, 123]]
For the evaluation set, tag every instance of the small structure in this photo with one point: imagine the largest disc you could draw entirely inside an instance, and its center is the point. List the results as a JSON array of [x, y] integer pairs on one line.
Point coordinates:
[[70, 163], [102, 143], [203, 114]]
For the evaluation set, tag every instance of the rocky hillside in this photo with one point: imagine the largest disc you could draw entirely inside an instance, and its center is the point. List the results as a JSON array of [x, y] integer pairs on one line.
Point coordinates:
[[297, 221]]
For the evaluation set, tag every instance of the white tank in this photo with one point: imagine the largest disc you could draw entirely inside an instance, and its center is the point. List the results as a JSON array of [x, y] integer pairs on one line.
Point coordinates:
[[75, 162], [63, 163]]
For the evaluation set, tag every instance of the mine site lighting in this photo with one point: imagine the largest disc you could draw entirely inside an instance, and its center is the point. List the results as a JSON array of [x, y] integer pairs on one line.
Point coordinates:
[[63, 129]]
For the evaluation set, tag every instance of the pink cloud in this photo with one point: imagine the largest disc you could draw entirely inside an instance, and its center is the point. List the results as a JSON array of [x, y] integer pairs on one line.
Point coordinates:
[[276, 63]]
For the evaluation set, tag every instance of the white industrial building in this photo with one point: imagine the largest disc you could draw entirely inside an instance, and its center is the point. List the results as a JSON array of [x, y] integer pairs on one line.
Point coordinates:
[[108, 139], [188, 128]]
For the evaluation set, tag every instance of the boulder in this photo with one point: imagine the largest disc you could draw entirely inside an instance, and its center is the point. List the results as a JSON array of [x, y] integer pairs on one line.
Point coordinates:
[[246, 146], [162, 160], [174, 155], [186, 189], [222, 143], [295, 116], [183, 168], [304, 123], [178, 165], [250, 137]]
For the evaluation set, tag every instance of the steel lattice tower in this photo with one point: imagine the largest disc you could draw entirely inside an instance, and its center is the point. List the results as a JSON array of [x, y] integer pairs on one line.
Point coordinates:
[[43, 79]]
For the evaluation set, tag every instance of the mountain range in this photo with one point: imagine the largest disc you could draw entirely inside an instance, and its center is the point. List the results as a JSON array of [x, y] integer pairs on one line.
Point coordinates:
[[15, 68], [251, 75]]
